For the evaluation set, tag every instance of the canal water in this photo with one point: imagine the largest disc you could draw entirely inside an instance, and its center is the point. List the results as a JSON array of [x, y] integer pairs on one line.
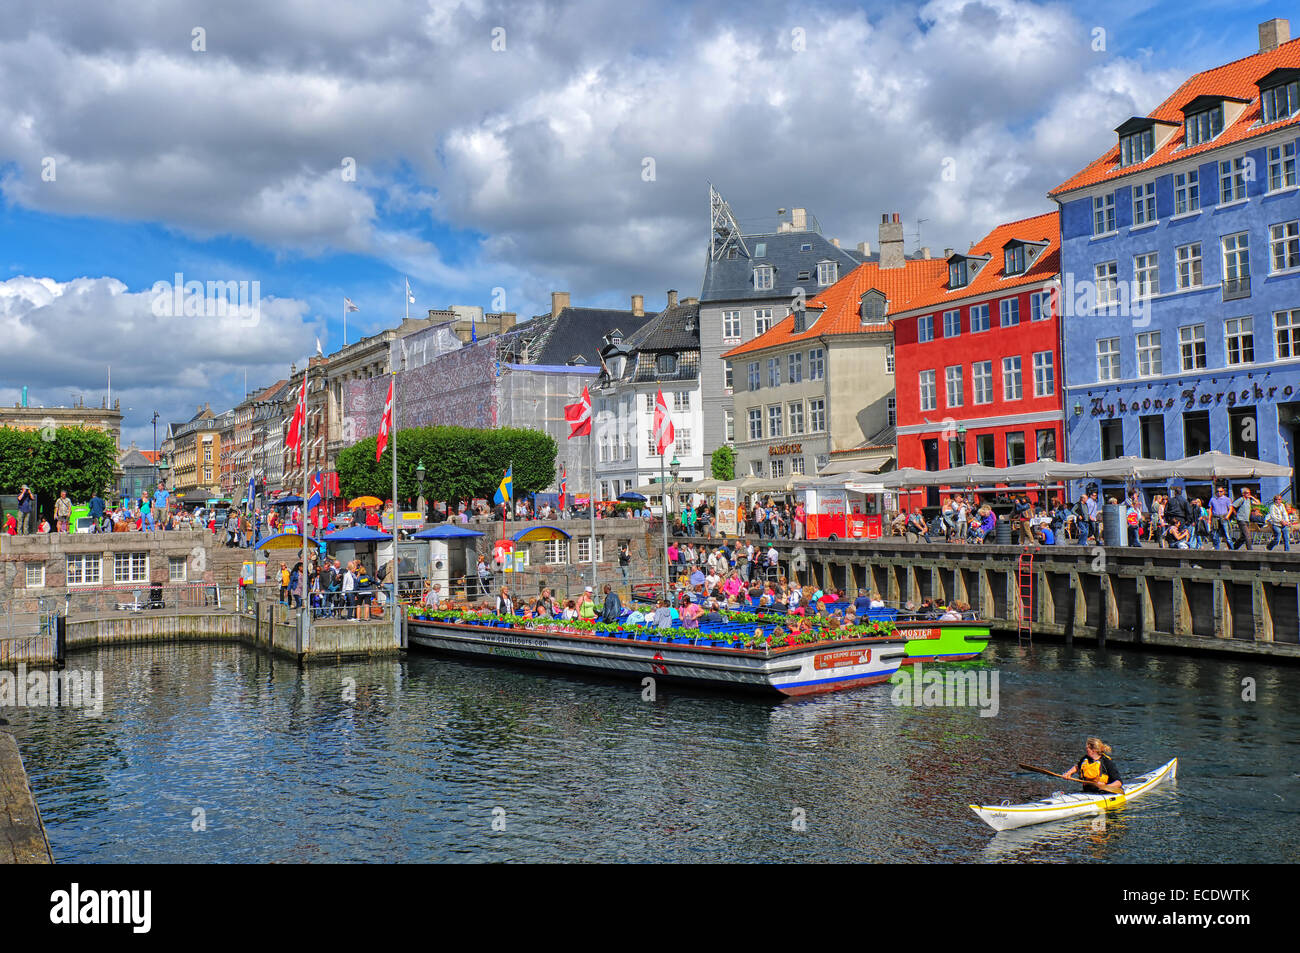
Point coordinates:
[[217, 753]]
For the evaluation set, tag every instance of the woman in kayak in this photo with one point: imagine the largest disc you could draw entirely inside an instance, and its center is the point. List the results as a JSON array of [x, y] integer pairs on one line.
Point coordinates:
[[1097, 769]]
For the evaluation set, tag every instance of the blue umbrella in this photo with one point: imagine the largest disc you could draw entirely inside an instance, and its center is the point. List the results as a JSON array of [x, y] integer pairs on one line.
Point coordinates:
[[357, 534], [631, 497], [446, 531], [287, 501]]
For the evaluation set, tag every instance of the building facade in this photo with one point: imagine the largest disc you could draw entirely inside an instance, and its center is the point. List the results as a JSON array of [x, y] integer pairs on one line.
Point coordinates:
[[978, 358], [1181, 272]]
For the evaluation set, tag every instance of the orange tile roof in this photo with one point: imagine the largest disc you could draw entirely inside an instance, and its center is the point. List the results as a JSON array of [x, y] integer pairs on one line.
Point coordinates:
[[990, 280], [1235, 79], [899, 285]]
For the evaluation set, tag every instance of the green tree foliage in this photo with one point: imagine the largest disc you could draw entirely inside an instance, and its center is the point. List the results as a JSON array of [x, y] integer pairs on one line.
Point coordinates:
[[78, 459], [459, 463], [723, 463]]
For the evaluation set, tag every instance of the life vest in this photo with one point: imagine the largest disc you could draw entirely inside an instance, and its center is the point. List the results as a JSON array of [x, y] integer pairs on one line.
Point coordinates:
[[1091, 771]]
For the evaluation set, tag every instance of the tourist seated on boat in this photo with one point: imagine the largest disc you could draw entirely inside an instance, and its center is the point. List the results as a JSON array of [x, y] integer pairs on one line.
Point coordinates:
[[505, 604], [967, 614], [876, 602], [691, 613], [570, 611], [432, 596], [713, 614], [663, 618], [950, 614], [831, 595], [635, 617], [850, 616]]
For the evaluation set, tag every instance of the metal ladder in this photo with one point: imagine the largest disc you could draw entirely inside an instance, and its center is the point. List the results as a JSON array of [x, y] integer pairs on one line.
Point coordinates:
[[1025, 599]]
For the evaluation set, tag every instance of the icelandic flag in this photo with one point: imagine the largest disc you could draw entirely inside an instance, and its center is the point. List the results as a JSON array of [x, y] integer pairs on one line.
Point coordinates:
[[507, 486], [316, 487]]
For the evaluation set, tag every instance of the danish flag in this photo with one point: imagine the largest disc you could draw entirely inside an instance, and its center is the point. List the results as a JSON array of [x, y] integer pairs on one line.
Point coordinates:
[[299, 422], [663, 426], [386, 423], [579, 416]]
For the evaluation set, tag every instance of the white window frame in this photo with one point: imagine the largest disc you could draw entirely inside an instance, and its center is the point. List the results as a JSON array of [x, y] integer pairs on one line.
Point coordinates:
[[556, 552], [794, 367], [817, 415], [891, 411], [93, 562], [1146, 275], [795, 414], [1044, 374], [1232, 180], [172, 562], [980, 312], [775, 420], [776, 466], [756, 417], [925, 329], [34, 575], [1144, 204], [1281, 167], [762, 321], [816, 364], [130, 568], [1106, 275], [1284, 247], [1150, 354], [828, 272], [1192, 353], [1242, 332], [953, 385], [952, 323], [1109, 367], [584, 550], [889, 358], [755, 375], [1190, 271], [1286, 334], [773, 372], [1103, 214], [1013, 382], [731, 325], [729, 426], [1236, 257], [1009, 312], [764, 278], [1040, 306], [981, 375], [1187, 192], [926, 388]]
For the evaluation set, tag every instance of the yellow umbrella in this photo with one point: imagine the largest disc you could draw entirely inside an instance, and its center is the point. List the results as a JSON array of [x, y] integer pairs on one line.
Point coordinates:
[[365, 501]]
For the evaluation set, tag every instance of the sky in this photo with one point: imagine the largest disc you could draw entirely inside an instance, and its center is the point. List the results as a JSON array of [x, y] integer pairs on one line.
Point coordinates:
[[495, 152]]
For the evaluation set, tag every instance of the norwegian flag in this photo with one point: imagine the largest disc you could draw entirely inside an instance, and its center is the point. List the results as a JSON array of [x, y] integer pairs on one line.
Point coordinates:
[[564, 486], [579, 416], [663, 426], [298, 424], [386, 423]]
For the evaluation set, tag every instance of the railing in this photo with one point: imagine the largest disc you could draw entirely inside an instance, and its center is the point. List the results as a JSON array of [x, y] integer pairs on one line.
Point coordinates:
[[30, 636], [144, 597]]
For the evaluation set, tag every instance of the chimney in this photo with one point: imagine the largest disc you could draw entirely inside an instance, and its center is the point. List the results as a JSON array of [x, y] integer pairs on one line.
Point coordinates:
[[864, 249], [1273, 33], [672, 298], [690, 301], [559, 301], [835, 242], [638, 305], [798, 219], [925, 251], [947, 253], [891, 242]]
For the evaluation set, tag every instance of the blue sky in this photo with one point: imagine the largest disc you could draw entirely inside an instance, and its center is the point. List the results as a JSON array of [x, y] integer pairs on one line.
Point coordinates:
[[519, 168]]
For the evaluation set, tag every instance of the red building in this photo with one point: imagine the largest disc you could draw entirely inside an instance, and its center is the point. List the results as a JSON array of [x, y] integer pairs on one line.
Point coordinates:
[[978, 356]]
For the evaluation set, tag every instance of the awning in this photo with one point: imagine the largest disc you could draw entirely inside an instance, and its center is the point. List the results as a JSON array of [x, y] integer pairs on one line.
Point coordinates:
[[358, 534], [848, 463], [1212, 465], [539, 534], [285, 541], [446, 531]]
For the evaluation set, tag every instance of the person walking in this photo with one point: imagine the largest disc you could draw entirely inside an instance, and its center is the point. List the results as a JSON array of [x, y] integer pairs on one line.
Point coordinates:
[[1279, 519], [26, 503], [484, 572], [146, 514], [1241, 507], [624, 562], [1220, 507], [96, 511], [62, 511]]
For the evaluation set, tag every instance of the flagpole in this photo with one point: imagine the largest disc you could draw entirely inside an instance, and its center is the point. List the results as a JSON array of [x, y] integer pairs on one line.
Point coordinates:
[[663, 499], [304, 625], [345, 322], [591, 502], [392, 443]]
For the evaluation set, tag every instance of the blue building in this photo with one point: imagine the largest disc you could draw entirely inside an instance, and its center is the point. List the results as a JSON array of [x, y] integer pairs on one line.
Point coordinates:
[[1180, 273]]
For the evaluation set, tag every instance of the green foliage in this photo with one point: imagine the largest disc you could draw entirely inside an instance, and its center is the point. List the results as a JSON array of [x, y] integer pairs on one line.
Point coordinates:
[[723, 463], [78, 459], [459, 463]]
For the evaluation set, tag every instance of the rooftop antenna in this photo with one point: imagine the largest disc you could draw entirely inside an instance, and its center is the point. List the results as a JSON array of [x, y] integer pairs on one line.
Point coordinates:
[[919, 223], [724, 232]]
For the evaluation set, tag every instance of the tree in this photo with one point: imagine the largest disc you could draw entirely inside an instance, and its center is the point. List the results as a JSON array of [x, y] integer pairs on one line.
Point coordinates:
[[724, 463], [77, 459], [459, 463]]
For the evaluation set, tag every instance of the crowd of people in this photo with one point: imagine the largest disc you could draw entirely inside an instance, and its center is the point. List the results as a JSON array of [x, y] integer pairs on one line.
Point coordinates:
[[333, 588]]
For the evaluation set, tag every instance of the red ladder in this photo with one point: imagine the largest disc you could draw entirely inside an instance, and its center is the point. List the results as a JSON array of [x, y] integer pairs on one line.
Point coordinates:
[[1025, 602]]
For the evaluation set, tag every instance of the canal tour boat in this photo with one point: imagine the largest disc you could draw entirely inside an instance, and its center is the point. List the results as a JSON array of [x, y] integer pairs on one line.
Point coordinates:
[[734, 656], [1004, 817]]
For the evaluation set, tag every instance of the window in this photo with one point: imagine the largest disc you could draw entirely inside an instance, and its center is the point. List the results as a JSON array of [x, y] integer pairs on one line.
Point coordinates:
[[816, 364], [984, 450], [927, 390], [794, 369], [1204, 126], [981, 374], [682, 439], [650, 402], [1013, 260], [731, 325], [1281, 166], [755, 424], [1151, 436], [1243, 441], [889, 358], [777, 467], [763, 278], [956, 452], [979, 317], [951, 324], [729, 426], [1239, 338], [806, 246], [773, 372], [796, 417], [1146, 275], [1187, 192], [925, 328], [1236, 265], [130, 567], [681, 400], [953, 385], [666, 363], [1040, 306], [1232, 180], [753, 375], [774, 421], [1046, 444], [1137, 147], [584, 549], [84, 570], [176, 568], [828, 272], [207, 453], [1286, 324], [958, 273], [650, 448], [762, 320], [1044, 374], [1148, 354], [1016, 448], [728, 377], [1280, 102], [817, 414], [1189, 266], [1112, 439], [1144, 203], [1191, 347], [1196, 432], [1010, 308], [1103, 214], [1012, 386], [1284, 240], [796, 465], [891, 411], [557, 552], [34, 575], [1107, 274], [756, 468], [1108, 359]]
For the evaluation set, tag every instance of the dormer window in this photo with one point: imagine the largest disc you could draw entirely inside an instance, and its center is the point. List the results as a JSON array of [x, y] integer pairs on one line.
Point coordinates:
[[666, 364], [1279, 94], [958, 273], [828, 272], [806, 246], [1014, 260], [1205, 125], [800, 324], [872, 306], [1137, 147], [763, 278], [760, 250]]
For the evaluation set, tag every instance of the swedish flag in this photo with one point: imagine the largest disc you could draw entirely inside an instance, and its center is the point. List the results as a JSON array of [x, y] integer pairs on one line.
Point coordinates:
[[506, 488]]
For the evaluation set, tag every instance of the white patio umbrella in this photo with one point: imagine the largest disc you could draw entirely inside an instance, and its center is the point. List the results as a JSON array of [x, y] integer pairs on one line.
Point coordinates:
[[1213, 464]]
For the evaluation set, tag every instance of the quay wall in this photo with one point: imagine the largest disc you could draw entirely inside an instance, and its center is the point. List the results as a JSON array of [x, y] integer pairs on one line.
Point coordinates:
[[22, 832]]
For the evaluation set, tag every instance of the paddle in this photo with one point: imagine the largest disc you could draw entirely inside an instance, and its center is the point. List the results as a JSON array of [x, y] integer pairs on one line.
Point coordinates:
[[1087, 784]]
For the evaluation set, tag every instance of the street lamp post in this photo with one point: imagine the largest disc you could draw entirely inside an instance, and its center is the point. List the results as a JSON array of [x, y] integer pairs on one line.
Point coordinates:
[[155, 449], [419, 476]]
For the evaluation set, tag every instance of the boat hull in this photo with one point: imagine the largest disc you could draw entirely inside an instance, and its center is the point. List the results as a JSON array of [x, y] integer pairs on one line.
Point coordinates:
[[1059, 807], [792, 670], [951, 642]]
